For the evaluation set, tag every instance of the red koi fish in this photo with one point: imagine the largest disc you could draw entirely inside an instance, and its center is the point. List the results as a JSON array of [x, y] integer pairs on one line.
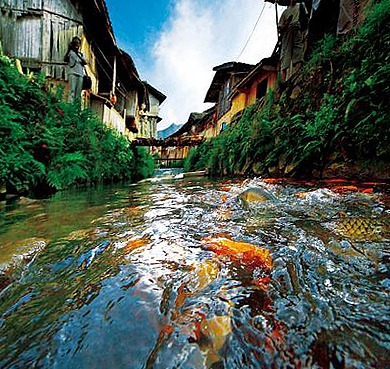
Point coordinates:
[[240, 251]]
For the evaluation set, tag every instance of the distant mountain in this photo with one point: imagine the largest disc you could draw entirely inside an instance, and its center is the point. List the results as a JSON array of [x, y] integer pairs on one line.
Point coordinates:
[[168, 131]]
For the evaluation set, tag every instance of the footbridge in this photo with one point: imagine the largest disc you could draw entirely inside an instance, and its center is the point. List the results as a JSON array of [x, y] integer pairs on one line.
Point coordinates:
[[168, 142], [171, 151]]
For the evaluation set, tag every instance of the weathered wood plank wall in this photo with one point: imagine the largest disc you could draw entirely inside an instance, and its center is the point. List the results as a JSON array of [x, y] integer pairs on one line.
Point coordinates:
[[57, 33], [21, 5], [38, 33], [61, 22], [20, 28]]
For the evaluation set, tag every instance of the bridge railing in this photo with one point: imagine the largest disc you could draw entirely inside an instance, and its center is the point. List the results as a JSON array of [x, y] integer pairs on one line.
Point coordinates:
[[168, 142]]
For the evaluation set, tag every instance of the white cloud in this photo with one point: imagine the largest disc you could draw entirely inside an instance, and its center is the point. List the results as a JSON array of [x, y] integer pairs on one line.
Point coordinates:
[[198, 36]]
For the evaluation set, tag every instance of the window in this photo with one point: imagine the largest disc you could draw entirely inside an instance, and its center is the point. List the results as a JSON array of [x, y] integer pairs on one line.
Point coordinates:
[[227, 88], [224, 102], [223, 128], [261, 89]]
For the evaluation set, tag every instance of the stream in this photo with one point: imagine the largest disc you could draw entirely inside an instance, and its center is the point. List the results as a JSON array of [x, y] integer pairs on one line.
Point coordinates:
[[182, 273]]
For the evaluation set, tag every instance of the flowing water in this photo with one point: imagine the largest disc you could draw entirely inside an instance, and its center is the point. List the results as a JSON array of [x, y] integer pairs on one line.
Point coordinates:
[[180, 274]]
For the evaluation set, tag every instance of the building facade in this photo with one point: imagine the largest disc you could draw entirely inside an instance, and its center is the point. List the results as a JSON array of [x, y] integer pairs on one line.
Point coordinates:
[[225, 80], [149, 114], [38, 32]]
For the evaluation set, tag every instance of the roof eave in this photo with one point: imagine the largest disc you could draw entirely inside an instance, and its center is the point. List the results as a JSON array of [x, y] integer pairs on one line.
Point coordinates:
[[219, 77], [156, 93], [279, 2]]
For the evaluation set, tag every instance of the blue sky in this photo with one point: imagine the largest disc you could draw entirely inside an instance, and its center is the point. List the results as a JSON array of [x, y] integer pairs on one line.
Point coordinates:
[[176, 43], [137, 25]]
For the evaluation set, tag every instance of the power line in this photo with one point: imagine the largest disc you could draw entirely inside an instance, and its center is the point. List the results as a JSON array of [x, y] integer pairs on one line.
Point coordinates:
[[250, 36]]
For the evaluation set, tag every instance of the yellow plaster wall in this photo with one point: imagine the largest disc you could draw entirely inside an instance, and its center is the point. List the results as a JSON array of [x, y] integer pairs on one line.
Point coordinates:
[[252, 94], [271, 83], [239, 103], [211, 131]]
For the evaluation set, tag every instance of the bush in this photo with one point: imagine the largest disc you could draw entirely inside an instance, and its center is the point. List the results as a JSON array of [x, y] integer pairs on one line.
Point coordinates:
[[343, 116], [48, 145]]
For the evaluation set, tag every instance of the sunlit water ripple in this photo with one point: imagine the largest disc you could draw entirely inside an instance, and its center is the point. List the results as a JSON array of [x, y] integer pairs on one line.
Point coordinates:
[[122, 277]]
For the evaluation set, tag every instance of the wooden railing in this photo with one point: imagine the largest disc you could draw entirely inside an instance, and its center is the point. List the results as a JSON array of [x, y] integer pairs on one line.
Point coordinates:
[[168, 142]]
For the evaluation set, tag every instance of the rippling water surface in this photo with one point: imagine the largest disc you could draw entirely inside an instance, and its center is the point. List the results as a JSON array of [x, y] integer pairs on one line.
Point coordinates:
[[180, 274]]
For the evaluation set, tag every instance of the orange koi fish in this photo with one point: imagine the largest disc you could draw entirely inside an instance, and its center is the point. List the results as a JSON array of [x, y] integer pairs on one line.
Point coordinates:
[[334, 180], [367, 190], [345, 189], [210, 333], [224, 188], [244, 252], [272, 180], [374, 184]]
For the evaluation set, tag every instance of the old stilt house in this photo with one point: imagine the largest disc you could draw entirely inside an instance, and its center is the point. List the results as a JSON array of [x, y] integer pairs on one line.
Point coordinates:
[[38, 32]]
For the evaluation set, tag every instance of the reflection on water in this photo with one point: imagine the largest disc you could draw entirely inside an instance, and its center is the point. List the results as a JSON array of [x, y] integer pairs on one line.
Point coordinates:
[[179, 274]]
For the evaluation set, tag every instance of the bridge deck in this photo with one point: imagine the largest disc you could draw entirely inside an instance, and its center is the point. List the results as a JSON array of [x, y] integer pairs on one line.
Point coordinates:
[[168, 142]]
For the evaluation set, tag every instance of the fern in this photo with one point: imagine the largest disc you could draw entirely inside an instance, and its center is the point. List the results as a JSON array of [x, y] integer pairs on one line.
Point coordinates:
[[347, 113], [67, 170], [45, 142]]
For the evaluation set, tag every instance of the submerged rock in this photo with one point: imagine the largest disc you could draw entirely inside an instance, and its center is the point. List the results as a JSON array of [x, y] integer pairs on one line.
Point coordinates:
[[14, 252]]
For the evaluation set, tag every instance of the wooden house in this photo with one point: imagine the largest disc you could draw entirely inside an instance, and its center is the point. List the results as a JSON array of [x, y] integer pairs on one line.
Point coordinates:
[[198, 128], [329, 17], [236, 86], [118, 103], [38, 33], [149, 114], [226, 78], [199, 125], [257, 84]]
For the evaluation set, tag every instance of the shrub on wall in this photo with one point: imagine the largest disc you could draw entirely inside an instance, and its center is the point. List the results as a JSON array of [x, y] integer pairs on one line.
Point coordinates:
[[344, 115]]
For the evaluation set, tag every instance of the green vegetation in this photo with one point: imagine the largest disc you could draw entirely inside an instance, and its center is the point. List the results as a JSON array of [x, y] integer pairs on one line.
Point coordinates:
[[340, 113], [48, 145]]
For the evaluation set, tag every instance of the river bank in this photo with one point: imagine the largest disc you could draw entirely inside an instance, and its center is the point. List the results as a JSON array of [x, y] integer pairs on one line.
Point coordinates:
[[48, 145], [330, 119]]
